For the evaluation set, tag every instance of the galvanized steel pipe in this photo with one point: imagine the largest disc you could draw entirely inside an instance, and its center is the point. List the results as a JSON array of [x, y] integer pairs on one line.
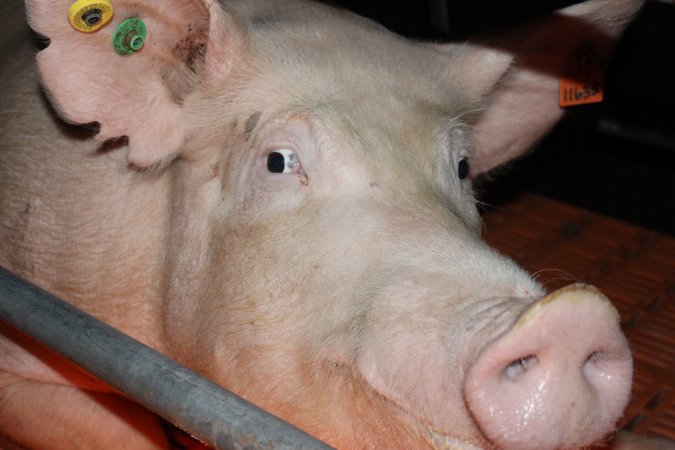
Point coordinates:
[[205, 410]]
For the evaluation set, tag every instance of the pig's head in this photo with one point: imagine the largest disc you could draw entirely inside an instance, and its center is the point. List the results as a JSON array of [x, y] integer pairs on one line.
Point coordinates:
[[324, 258]]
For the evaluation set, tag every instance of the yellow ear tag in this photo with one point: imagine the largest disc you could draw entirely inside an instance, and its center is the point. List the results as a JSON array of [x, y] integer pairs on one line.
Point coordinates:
[[90, 15], [583, 81]]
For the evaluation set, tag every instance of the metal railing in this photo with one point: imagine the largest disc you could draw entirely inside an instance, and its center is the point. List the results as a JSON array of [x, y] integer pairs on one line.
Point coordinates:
[[207, 411]]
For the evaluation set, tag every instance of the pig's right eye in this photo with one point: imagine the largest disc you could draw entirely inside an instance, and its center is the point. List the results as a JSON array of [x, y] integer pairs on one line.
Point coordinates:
[[463, 168], [282, 161]]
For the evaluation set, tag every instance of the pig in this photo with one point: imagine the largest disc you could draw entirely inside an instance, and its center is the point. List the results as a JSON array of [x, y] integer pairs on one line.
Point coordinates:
[[279, 196]]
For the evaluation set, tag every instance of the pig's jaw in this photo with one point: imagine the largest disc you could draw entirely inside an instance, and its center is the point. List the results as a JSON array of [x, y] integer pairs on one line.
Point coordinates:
[[440, 441]]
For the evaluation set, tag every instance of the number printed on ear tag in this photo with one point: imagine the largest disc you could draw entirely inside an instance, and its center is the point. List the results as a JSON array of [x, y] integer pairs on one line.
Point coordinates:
[[583, 81], [90, 15]]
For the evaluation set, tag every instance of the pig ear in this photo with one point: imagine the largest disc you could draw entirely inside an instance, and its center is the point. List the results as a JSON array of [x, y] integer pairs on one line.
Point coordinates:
[[515, 80], [138, 95]]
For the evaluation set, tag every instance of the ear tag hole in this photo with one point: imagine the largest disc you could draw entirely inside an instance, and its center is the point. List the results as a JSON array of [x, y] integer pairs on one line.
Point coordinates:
[[129, 36], [90, 15]]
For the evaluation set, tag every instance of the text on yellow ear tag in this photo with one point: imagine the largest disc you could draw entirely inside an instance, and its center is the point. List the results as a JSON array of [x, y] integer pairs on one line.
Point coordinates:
[[90, 15], [583, 81]]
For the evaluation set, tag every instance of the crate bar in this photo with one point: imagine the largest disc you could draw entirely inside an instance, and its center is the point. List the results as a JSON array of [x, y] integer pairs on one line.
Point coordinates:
[[203, 409]]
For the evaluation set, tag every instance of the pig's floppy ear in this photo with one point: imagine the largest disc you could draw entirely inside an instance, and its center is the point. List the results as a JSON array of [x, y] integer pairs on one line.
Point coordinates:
[[138, 95], [516, 79]]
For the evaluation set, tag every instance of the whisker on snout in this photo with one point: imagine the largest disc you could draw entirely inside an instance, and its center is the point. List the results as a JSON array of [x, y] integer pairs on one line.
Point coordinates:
[[536, 276]]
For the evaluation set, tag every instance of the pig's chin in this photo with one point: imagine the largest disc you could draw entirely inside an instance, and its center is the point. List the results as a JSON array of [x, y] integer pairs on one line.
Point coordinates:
[[440, 426], [430, 434], [441, 441]]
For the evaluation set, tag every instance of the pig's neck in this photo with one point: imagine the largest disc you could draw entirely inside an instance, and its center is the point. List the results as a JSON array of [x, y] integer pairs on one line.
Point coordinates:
[[83, 226]]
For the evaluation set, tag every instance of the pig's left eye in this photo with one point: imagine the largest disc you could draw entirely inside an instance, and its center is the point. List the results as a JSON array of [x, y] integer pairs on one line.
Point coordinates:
[[463, 168], [282, 161]]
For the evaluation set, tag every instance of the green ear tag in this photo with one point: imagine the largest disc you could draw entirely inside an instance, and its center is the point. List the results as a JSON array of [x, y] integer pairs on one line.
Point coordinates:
[[129, 36]]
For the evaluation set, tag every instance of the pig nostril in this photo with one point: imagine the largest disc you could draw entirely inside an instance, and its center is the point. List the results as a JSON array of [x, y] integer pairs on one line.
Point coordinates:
[[594, 358], [598, 360], [518, 367], [599, 365]]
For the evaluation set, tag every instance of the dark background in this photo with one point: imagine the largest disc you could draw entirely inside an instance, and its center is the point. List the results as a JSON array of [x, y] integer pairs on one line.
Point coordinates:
[[616, 158]]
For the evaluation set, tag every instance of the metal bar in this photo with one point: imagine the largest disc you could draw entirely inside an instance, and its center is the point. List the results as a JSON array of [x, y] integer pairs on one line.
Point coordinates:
[[207, 411]]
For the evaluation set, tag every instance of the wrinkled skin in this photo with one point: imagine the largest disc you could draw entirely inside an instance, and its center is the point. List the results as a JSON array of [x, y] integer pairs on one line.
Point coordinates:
[[350, 295]]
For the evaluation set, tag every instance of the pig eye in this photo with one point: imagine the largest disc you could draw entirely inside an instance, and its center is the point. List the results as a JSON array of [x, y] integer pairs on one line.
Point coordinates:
[[282, 161], [463, 168]]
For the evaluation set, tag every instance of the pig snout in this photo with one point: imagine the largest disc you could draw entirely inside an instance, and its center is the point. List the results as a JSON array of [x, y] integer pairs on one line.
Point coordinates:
[[559, 378]]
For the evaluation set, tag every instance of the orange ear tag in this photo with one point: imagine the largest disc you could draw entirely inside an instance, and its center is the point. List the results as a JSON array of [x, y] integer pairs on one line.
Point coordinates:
[[583, 81]]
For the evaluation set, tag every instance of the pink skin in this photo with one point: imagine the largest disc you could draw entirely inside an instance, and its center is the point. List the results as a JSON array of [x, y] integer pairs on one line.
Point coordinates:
[[564, 367], [351, 295]]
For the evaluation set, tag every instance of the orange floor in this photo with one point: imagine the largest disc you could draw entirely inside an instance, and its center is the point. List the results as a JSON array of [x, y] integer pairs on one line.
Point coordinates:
[[633, 266]]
